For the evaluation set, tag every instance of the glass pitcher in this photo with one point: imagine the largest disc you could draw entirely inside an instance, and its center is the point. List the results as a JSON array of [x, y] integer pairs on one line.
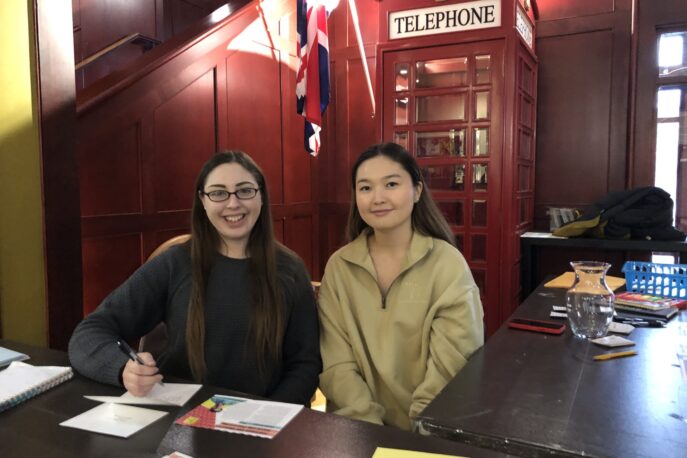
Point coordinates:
[[590, 300]]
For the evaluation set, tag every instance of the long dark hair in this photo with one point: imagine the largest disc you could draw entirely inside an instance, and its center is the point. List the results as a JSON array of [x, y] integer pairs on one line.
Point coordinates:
[[426, 217], [266, 291]]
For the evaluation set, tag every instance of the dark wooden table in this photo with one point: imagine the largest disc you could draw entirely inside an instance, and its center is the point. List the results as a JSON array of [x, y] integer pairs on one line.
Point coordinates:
[[539, 395], [31, 429], [531, 242]]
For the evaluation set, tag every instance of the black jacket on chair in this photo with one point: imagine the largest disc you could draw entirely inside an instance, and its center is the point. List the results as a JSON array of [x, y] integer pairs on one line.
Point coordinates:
[[641, 213]]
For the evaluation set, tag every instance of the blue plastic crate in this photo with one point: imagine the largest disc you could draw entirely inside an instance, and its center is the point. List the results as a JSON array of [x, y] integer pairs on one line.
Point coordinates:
[[668, 280]]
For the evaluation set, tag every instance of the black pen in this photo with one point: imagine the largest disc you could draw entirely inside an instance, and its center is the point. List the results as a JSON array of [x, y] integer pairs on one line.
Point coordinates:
[[133, 356], [128, 351]]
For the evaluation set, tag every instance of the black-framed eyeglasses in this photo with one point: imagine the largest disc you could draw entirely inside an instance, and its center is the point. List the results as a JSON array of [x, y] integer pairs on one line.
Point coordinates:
[[220, 195]]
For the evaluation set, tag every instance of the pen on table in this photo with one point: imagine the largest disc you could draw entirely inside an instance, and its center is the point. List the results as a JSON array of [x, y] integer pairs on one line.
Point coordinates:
[[649, 323], [620, 354], [133, 356]]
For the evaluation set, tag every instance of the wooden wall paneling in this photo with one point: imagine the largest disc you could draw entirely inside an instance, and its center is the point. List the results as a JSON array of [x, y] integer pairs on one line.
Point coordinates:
[[184, 139], [333, 230], [340, 165], [582, 130], [278, 224], [109, 172], [550, 10], [56, 86], [298, 231], [254, 116], [107, 261], [180, 14], [361, 125], [221, 105], [573, 132], [153, 123]]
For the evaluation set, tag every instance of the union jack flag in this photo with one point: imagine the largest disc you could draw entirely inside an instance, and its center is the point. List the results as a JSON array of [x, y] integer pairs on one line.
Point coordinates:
[[312, 80]]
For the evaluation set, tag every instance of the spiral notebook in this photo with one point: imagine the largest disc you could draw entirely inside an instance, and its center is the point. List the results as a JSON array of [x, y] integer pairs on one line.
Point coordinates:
[[21, 381]]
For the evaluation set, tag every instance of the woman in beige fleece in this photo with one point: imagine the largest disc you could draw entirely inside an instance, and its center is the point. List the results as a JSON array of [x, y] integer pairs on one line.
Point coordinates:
[[399, 310]]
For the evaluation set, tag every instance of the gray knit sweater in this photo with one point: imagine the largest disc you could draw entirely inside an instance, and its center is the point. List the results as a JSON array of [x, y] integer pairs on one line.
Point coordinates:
[[159, 291]]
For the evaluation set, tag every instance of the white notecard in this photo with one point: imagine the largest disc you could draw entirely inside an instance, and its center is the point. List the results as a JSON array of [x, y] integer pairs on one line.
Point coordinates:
[[612, 341], [114, 419], [621, 328], [169, 394]]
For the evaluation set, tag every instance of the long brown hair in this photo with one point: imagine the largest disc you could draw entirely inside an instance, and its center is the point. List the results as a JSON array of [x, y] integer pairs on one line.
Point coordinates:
[[266, 291], [426, 217]]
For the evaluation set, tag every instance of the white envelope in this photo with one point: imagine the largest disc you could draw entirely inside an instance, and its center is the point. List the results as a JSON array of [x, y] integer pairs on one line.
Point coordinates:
[[114, 419], [169, 394]]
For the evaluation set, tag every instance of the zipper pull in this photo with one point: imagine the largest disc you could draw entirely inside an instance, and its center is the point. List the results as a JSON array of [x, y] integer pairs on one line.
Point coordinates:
[[383, 301]]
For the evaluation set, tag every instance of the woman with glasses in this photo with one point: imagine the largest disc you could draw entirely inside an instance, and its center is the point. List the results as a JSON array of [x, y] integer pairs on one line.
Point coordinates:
[[238, 306], [399, 309]]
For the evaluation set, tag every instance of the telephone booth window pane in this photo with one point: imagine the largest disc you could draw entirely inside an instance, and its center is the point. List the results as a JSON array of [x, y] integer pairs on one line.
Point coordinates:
[[402, 75], [480, 277], [442, 73], [479, 177], [459, 242], [481, 143], [445, 177], [401, 138], [482, 105], [525, 144], [401, 111], [479, 213], [447, 107], [445, 143], [482, 69], [479, 248], [453, 212]]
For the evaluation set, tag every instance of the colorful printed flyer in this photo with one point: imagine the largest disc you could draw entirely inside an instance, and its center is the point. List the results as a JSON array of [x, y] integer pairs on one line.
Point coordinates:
[[240, 415]]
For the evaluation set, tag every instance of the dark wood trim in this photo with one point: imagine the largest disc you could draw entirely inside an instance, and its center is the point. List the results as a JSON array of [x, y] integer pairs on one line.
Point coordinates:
[[57, 117]]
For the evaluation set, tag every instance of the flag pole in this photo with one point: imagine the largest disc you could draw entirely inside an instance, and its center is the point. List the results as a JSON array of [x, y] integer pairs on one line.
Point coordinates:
[[354, 17]]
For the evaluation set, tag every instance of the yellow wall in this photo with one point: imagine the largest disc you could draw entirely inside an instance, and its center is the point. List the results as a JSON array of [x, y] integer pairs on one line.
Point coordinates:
[[22, 279]]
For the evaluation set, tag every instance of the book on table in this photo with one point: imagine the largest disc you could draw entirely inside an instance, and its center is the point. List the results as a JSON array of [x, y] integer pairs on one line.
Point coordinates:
[[626, 311], [21, 381], [648, 301]]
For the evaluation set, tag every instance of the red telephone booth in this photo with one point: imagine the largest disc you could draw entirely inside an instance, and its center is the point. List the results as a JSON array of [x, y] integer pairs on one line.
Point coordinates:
[[457, 86]]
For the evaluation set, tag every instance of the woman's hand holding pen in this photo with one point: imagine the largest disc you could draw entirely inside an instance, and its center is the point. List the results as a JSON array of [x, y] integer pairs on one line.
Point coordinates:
[[139, 379]]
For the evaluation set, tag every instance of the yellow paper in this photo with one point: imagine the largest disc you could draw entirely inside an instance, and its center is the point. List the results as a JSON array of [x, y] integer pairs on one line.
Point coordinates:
[[567, 279], [382, 452]]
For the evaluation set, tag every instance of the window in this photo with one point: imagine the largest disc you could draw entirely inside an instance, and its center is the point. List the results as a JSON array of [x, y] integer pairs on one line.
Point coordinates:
[[671, 124], [671, 120]]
